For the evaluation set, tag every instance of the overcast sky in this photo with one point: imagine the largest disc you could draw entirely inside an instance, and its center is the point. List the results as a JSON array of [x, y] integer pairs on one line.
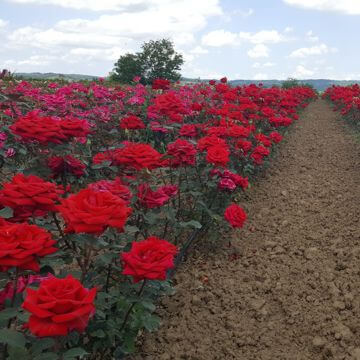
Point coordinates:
[[242, 39]]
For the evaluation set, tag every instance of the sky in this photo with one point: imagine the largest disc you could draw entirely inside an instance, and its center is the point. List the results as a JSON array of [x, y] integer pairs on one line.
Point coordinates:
[[240, 39]]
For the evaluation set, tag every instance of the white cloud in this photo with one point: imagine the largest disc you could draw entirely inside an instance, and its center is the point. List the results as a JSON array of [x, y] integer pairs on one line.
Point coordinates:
[[258, 65], [3, 23], [261, 76], [314, 50], [198, 50], [258, 51], [311, 37], [349, 7], [288, 29], [263, 37], [243, 13], [219, 38], [301, 72]]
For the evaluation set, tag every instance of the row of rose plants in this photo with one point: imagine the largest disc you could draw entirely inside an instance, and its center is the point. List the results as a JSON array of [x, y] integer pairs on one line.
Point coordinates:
[[104, 188], [346, 100]]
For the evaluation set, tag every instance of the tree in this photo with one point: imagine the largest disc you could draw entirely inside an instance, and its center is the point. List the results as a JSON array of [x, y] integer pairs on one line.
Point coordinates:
[[126, 68], [158, 59]]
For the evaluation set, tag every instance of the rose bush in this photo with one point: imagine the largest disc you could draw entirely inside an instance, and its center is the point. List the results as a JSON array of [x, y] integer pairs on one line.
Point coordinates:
[[105, 187]]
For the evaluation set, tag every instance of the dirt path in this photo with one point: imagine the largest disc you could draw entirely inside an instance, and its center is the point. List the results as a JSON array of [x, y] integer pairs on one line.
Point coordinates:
[[293, 292]]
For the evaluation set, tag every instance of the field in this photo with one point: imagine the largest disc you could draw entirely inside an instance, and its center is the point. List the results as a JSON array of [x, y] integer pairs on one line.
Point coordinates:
[[107, 189]]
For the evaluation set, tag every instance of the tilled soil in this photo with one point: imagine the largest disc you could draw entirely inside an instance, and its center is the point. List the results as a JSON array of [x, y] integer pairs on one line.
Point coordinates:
[[290, 286]]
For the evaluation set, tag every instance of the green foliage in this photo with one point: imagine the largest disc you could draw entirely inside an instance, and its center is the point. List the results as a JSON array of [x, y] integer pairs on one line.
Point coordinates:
[[158, 59], [290, 83]]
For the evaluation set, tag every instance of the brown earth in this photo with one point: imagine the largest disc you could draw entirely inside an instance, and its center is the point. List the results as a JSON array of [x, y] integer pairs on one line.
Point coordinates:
[[292, 290]]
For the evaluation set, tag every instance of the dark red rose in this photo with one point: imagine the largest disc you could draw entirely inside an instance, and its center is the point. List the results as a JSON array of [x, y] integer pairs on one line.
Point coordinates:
[[226, 184], [182, 153], [149, 259], [131, 122], [92, 212], [263, 139], [244, 145], [218, 155], [151, 199], [22, 244], [212, 82], [235, 216], [66, 165], [224, 80], [29, 196], [59, 306], [259, 153], [116, 187], [161, 84]]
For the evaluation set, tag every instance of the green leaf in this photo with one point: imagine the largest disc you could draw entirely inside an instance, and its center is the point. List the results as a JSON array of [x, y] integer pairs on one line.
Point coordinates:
[[6, 213], [47, 356], [151, 322], [73, 353], [192, 223], [148, 305], [12, 338], [16, 353], [98, 333], [7, 314], [41, 345]]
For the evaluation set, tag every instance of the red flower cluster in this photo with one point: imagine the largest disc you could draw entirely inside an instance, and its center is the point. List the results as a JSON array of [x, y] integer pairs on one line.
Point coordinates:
[[160, 84], [115, 187], [29, 196], [59, 306], [92, 212], [48, 129], [149, 259]]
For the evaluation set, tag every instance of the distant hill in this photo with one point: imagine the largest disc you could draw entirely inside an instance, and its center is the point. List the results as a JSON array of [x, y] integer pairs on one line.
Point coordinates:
[[54, 76], [318, 84]]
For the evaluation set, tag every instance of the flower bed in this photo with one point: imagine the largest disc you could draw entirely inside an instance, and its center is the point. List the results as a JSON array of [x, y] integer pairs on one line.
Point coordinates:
[[105, 188], [346, 100]]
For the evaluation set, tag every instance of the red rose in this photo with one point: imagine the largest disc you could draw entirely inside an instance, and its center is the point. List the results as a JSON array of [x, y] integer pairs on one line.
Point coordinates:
[[91, 211], [59, 306], [235, 216], [218, 155], [207, 141], [72, 127], [224, 80], [259, 153], [22, 244], [226, 184], [137, 156], [188, 130], [149, 259], [244, 145], [116, 187], [29, 196], [160, 84], [66, 164], [182, 153], [131, 122], [151, 199], [263, 139]]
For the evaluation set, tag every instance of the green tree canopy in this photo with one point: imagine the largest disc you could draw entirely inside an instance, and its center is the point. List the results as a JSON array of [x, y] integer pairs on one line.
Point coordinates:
[[158, 59]]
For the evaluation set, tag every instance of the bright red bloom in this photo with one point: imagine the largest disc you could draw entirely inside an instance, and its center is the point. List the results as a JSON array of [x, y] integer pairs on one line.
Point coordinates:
[[92, 212], [275, 137], [149, 259], [29, 196], [218, 155], [59, 306], [22, 244], [188, 130], [208, 141], [235, 216], [259, 153], [182, 153], [138, 156], [263, 139], [131, 122], [116, 187], [66, 165], [244, 145], [72, 127]]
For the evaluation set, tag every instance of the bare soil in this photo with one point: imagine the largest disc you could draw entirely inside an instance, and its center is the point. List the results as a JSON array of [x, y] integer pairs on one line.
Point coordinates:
[[289, 287]]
